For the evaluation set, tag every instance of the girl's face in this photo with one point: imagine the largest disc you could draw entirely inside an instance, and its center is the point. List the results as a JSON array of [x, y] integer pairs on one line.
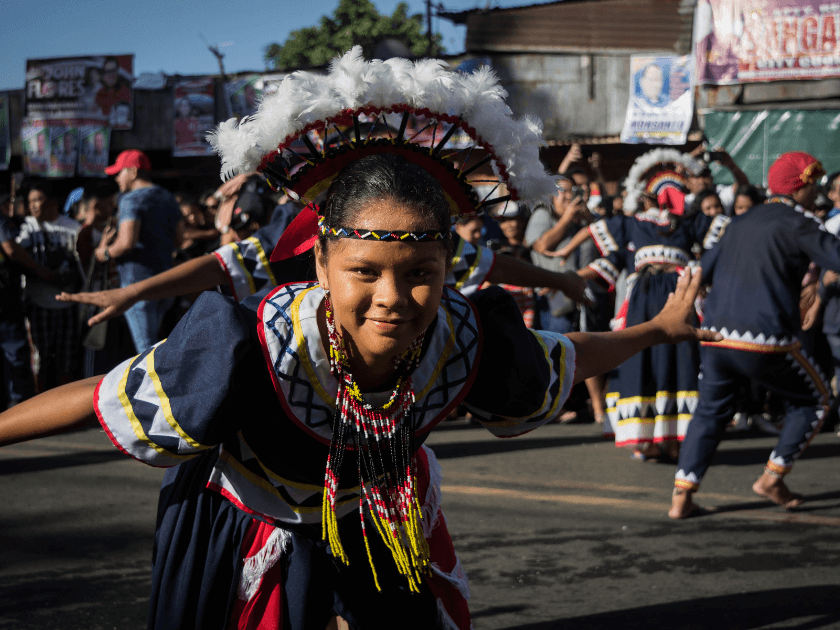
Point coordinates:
[[384, 294], [742, 204], [711, 206], [513, 228]]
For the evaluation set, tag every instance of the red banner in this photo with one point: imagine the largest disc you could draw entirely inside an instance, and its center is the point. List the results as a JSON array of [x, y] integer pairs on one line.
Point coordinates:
[[744, 41]]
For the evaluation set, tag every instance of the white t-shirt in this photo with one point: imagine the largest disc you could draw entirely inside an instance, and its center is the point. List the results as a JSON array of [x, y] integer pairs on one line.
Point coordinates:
[[726, 192], [53, 245]]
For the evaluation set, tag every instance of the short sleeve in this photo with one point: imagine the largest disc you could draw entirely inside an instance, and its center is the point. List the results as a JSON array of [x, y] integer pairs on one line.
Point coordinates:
[[470, 265], [709, 230], [608, 268], [129, 208], [610, 235], [524, 376], [182, 396], [247, 267]]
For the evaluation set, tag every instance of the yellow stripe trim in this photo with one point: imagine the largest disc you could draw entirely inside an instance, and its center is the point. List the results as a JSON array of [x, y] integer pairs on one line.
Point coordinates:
[[469, 272], [135, 423], [302, 352], [264, 484], [456, 257], [655, 419], [263, 259], [238, 254], [165, 406], [444, 356]]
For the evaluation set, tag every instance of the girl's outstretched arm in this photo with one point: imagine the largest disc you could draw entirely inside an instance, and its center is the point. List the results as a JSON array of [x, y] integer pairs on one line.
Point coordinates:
[[56, 411], [597, 353]]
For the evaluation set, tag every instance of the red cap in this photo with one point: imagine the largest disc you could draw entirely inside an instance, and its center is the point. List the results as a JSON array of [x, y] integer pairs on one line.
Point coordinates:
[[792, 171], [130, 159]]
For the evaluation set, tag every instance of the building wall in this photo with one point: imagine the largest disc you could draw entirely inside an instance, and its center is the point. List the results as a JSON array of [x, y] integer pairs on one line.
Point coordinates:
[[573, 95]]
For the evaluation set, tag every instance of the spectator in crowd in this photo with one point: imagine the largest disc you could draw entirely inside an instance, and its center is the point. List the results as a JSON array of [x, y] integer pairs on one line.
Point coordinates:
[[210, 202], [199, 231], [548, 230], [708, 202], [747, 196], [513, 219], [702, 179], [50, 240], [150, 226], [16, 366], [469, 229]]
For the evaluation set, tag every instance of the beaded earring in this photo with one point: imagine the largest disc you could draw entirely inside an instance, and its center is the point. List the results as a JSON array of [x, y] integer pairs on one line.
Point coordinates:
[[383, 438]]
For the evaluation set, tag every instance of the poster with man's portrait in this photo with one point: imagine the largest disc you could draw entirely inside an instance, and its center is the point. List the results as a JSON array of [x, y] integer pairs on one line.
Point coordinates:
[[63, 150], [661, 103], [195, 107], [95, 87], [94, 141], [35, 136]]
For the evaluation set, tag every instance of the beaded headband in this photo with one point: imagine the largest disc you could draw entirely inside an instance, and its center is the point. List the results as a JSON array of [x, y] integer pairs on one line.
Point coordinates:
[[449, 123], [380, 235]]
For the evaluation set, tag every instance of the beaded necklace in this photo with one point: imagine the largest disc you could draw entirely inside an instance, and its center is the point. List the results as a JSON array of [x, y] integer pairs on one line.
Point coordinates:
[[384, 441]]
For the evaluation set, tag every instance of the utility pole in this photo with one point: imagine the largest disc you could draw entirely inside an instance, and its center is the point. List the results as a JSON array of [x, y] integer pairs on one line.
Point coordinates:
[[218, 55], [429, 27]]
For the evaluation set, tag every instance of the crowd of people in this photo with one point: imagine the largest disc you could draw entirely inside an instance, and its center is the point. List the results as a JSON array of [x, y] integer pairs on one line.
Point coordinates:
[[356, 304]]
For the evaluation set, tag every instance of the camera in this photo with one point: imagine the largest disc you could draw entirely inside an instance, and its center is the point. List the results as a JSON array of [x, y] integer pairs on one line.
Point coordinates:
[[577, 191], [713, 156]]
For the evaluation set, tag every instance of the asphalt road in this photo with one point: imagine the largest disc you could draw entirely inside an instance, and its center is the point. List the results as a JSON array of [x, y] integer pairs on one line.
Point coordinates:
[[557, 529]]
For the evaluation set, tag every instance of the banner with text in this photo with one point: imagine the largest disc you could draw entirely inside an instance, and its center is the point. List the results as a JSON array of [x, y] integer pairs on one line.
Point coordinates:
[[744, 41], [661, 102], [195, 107], [81, 87]]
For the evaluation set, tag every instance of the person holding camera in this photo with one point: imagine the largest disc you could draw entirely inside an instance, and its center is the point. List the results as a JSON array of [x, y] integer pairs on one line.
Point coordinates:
[[700, 180], [548, 230]]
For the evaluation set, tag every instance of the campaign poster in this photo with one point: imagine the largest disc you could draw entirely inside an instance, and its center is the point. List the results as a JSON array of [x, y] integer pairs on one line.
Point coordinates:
[[35, 137], [95, 87], [195, 107], [244, 94], [63, 149], [661, 102], [5, 135], [94, 142], [745, 41]]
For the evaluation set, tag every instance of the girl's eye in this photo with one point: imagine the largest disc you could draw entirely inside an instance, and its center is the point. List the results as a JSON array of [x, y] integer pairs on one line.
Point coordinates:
[[419, 274], [364, 271]]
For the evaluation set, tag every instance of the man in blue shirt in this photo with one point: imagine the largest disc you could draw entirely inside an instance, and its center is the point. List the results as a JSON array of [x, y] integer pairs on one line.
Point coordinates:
[[150, 227]]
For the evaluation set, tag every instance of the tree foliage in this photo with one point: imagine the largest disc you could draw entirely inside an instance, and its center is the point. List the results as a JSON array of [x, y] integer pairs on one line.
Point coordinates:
[[354, 22]]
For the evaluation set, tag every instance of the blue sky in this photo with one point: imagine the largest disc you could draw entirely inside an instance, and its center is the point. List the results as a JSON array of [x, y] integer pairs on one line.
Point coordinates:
[[164, 36]]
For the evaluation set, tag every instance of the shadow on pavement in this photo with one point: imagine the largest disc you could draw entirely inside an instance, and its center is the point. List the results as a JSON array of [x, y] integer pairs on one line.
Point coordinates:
[[802, 608], [64, 460], [757, 456], [470, 449]]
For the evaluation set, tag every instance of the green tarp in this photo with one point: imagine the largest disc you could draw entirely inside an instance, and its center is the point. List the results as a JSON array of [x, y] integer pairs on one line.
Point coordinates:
[[756, 138]]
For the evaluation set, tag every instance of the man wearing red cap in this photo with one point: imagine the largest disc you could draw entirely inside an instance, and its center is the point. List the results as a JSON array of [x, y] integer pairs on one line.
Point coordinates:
[[755, 273], [149, 228]]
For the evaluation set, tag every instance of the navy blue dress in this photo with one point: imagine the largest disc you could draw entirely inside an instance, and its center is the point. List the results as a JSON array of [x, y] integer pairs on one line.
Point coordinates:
[[655, 394]]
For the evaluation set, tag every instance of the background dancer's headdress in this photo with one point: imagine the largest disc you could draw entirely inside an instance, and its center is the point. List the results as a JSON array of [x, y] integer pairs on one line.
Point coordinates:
[[793, 170], [655, 174], [300, 139], [364, 107]]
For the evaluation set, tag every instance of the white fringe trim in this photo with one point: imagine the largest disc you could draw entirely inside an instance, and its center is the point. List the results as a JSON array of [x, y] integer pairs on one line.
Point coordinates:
[[256, 566], [353, 82], [458, 577], [431, 506]]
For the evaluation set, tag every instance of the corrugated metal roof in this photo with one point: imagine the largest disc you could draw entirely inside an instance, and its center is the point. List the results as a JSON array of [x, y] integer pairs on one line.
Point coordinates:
[[581, 26]]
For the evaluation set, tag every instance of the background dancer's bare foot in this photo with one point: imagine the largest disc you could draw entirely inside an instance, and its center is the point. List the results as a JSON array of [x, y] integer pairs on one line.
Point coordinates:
[[774, 488], [682, 506]]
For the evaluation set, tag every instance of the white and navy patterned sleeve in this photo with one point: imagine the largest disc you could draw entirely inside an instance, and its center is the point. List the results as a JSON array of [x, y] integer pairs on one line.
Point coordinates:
[[247, 267], [470, 265], [709, 230], [524, 376], [176, 400], [610, 235]]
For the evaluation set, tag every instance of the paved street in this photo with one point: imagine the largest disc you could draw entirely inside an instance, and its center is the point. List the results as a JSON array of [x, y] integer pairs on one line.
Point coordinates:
[[557, 529]]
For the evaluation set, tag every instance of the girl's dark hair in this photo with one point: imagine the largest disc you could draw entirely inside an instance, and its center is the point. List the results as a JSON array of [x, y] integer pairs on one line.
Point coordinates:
[[384, 176], [697, 204], [748, 190]]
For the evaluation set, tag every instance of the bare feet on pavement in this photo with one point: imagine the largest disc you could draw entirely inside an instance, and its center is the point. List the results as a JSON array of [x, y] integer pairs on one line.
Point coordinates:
[[682, 506], [773, 488]]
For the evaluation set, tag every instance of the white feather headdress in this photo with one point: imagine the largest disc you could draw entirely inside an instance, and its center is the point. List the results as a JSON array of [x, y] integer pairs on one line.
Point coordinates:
[[311, 108], [645, 164]]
